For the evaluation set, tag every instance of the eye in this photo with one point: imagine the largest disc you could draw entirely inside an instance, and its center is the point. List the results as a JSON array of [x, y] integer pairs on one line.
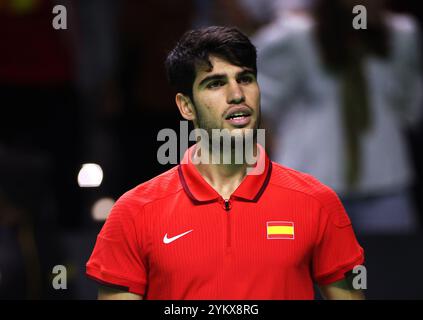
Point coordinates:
[[246, 79], [215, 84]]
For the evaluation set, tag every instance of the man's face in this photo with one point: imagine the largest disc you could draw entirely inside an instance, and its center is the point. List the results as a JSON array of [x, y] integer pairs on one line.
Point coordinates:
[[226, 97]]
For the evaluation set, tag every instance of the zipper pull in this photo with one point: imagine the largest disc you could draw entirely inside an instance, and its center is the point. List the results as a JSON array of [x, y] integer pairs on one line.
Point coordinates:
[[227, 205]]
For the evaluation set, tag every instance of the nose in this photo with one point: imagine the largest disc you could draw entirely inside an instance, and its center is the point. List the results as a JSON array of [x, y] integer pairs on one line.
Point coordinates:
[[235, 94]]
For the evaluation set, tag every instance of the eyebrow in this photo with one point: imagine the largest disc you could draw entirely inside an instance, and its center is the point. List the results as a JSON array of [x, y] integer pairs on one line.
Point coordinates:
[[220, 76], [212, 77]]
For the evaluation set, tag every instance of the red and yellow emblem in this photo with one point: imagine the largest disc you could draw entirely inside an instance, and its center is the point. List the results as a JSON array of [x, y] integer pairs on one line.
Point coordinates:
[[280, 230]]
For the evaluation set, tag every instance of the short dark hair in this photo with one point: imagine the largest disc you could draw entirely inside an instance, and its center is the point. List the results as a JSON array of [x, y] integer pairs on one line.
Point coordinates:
[[194, 48]]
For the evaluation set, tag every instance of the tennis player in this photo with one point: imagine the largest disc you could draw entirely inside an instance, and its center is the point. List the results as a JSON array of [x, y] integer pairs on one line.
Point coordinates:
[[215, 230]]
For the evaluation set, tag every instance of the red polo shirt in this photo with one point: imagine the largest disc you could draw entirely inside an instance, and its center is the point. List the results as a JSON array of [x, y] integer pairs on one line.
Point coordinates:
[[174, 237]]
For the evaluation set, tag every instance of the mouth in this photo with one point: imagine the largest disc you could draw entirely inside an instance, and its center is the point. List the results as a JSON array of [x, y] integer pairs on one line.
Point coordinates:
[[239, 117]]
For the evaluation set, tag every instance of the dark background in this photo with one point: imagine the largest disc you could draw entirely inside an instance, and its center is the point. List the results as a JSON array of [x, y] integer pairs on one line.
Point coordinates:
[[97, 93]]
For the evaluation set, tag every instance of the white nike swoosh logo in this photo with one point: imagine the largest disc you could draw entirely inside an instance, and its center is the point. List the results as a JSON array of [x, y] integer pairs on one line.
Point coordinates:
[[167, 240]]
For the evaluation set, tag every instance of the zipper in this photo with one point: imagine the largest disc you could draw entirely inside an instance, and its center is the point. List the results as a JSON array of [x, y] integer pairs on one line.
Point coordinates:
[[228, 206]]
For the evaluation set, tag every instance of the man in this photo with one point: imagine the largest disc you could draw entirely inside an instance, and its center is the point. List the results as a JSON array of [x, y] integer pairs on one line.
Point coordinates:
[[211, 231]]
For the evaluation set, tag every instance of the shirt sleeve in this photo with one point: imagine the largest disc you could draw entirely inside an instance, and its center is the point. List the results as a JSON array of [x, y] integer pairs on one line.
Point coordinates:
[[116, 259], [337, 250]]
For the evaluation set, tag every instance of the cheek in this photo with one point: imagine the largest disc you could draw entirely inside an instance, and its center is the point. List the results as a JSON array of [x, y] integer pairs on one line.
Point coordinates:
[[210, 106], [254, 97], [212, 99], [258, 97]]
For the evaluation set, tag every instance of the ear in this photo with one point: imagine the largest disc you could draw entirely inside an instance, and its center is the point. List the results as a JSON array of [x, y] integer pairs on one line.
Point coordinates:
[[185, 106]]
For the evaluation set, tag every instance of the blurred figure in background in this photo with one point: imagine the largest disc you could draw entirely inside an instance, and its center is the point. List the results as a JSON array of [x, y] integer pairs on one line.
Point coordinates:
[[415, 133], [339, 99]]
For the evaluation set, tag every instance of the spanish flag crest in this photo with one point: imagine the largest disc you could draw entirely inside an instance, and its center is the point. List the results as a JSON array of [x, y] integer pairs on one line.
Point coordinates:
[[280, 230]]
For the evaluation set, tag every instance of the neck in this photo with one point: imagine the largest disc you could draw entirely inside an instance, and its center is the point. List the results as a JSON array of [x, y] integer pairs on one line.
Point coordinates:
[[223, 177]]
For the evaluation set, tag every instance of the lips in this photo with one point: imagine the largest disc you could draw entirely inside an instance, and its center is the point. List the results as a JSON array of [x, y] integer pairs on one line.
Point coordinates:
[[238, 116]]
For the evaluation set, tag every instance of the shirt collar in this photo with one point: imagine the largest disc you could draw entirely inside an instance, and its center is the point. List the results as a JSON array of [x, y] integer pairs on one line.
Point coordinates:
[[250, 189]]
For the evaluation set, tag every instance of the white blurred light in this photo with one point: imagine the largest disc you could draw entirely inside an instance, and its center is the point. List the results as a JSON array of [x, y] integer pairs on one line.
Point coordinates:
[[101, 208], [90, 175]]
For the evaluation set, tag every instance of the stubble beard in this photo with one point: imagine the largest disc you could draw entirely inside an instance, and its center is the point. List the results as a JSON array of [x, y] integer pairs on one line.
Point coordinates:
[[208, 126]]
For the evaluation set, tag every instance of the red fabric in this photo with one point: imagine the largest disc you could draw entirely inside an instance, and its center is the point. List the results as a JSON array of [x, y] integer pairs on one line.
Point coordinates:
[[224, 254]]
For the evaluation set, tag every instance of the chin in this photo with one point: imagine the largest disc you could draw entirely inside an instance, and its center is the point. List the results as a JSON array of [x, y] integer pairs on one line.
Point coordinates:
[[243, 132]]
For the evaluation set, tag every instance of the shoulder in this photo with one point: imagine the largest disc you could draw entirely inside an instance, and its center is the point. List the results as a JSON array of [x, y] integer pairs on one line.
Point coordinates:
[[296, 181], [127, 213], [160, 187]]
